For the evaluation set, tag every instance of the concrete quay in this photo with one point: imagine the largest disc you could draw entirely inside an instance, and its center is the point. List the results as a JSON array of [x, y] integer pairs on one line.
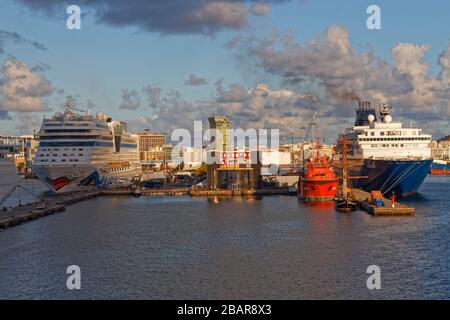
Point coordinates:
[[362, 198], [49, 206]]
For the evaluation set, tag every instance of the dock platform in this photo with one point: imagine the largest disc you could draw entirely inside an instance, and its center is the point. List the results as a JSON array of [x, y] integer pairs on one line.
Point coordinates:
[[51, 205], [243, 192], [154, 192], [27, 213], [363, 199], [201, 192]]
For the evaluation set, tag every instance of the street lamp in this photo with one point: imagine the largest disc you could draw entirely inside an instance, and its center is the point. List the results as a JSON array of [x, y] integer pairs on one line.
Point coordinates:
[[292, 151], [303, 148]]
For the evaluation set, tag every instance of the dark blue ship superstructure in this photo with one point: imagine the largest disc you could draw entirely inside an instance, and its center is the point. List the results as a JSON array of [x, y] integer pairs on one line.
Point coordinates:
[[404, 177]]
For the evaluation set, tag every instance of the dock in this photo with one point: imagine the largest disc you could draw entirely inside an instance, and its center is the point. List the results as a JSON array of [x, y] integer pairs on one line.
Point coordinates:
[[44, 208], [58, 203], [363, 199], [243, 192], [154, 192], [200, 192], [27, 213]]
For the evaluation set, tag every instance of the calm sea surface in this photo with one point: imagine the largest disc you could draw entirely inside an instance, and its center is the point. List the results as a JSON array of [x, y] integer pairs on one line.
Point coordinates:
[[196, 248]]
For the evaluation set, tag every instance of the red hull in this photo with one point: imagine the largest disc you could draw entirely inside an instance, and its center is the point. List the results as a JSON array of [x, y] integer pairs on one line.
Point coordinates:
[[439, 171], [319, 182], [317, 190]]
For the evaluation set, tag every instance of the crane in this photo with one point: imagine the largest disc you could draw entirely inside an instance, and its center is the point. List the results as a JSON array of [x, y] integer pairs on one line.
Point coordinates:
[[311, 124]]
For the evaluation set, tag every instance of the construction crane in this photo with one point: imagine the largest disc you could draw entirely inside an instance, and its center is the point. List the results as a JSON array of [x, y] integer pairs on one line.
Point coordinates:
[[311, 124]]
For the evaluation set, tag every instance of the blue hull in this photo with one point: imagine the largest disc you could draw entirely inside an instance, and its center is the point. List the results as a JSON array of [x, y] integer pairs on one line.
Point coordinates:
[[440, 168], [404, 177]]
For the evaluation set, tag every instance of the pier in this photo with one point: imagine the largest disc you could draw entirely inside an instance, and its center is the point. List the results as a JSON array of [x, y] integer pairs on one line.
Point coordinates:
[[154, 192], [44, 208], [362, 198], [242, 192], [27, 213], [200, 192], [58, 203]]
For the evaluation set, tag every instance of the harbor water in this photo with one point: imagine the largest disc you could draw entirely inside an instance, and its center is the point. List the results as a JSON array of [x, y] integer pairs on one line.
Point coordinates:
[[273, 247]]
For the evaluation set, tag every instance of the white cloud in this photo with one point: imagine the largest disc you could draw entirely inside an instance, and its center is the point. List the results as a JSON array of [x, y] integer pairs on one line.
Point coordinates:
[[344, 76], [21, 89]]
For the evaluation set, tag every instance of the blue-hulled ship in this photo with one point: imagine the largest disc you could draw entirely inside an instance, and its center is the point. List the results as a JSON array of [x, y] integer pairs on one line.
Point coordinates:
[[440, 167], [394, 159]]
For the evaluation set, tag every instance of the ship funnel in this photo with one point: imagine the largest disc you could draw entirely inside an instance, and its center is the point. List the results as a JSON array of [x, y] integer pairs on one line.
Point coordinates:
[[365, 105]]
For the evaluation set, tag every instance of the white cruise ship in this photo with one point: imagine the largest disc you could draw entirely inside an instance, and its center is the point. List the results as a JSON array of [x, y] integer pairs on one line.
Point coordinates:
[[9, 176], [395, 159], [80, 150]]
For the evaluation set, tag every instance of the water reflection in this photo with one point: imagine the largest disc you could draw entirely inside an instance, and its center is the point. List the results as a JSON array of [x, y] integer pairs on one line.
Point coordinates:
[[242, 199], [229, 248]]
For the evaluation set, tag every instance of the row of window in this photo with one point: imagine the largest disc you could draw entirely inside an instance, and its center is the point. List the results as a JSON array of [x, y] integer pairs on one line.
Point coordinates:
[[394, 145], [64, 155], [396, 139], [58, 137], [62, 160], [65, 149], [59, 124], [392, 133]]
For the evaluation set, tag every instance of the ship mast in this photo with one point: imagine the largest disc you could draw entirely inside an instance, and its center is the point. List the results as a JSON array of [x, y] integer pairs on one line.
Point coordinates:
[[345, 164]]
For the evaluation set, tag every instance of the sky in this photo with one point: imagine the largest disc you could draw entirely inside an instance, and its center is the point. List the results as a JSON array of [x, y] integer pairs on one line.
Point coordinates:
[[266, 64]]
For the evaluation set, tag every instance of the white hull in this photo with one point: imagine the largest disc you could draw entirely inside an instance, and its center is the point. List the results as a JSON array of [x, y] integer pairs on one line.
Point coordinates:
[[61, 179]]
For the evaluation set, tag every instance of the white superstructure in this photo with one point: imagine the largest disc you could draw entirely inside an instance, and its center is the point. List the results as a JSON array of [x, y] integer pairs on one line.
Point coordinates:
[[386, 139], [77, 150]]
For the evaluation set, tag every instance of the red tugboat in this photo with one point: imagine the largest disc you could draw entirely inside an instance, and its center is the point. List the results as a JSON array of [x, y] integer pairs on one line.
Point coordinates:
[[318, 181]]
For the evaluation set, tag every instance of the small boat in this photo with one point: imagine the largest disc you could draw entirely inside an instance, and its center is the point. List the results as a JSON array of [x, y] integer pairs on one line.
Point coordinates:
[[345, 205], [137, 193]]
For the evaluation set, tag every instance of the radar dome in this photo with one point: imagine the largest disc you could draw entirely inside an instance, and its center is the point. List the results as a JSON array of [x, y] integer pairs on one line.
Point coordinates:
[[387, 119], [371, 118]]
